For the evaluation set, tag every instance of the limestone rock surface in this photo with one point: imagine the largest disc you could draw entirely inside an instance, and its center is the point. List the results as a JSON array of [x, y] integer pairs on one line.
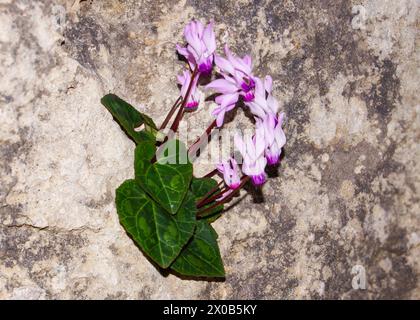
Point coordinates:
[[343, 204]]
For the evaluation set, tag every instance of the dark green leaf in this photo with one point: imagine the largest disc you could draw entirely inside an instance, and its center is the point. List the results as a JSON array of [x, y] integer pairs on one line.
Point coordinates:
[[143, 155], [159, 234], [129, 118], [168, 183], [201, 257], [172, 151], [201, 187]]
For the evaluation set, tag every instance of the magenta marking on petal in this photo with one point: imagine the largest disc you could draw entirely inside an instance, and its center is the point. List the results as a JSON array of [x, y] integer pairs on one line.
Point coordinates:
[[192, 105], [251, 83], [205, 68], [245, 87], [248, 84], [234, 186], [249, 96], [272, 159], [258, 180]]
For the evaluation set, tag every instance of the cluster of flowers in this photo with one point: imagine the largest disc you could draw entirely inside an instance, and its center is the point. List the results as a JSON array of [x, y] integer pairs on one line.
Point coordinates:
[[235, 82]]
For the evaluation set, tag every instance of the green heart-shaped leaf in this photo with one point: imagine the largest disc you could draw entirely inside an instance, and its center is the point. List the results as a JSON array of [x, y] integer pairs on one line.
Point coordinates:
[[161, 235], [201, 187], [143, 154], [129, 118], [201, 257], [167, 180]]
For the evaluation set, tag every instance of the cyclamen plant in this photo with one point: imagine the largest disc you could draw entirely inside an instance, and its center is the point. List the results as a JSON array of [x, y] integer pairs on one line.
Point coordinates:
[[166, 209]]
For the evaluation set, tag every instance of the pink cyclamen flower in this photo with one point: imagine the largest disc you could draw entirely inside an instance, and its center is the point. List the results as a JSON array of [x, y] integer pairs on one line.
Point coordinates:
[[230, 171], [237, 81], [225, 103], [201, 46], [184, 80], [264, 102], [252, 150], [274, 136], [238, 71]]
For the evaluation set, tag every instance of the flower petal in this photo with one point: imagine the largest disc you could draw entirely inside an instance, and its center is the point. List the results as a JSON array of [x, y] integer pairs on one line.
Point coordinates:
[[193, 39], [248, 61], [182, 51], [199, 28], [209, 38], [228, 99], [240, 145], [268, 84], [237, 63], [220, 167], [259, 88], [256, 109], [272, 104], [222, 86], [220, 117], [259, 142], [280, 136], [224, 64]]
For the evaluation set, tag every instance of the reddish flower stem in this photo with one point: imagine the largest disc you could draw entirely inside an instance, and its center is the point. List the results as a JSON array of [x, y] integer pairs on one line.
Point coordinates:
[[202, 212], [206, 133], [210, 174], [171, 112], [180, 113], [208, 194], [203, 202]]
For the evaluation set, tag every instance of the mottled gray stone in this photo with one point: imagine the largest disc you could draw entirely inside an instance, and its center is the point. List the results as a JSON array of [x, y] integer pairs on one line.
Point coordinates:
[[346, 193]]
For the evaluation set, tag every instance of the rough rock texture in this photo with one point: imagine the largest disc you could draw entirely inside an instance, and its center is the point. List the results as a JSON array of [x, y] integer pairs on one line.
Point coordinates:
[[345, 195]]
